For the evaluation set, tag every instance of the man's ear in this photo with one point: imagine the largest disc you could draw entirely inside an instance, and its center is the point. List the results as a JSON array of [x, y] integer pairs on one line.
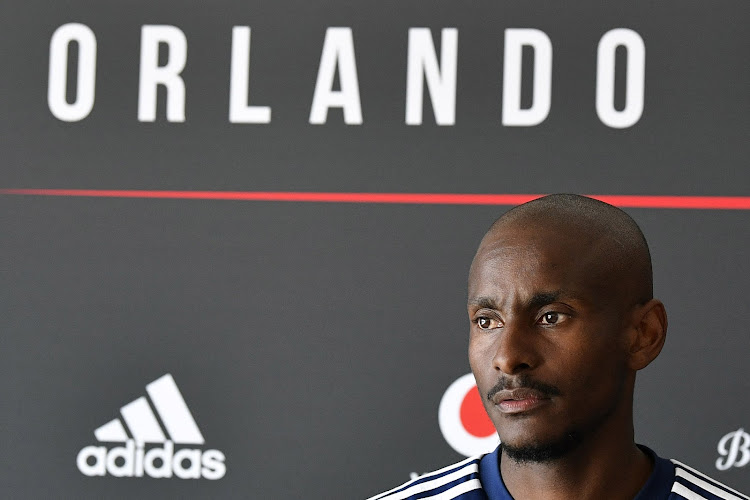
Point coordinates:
[[649, 324]]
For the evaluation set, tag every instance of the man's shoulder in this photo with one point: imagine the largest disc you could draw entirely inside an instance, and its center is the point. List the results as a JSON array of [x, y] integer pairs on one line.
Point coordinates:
[[694, 485], [457, 481]]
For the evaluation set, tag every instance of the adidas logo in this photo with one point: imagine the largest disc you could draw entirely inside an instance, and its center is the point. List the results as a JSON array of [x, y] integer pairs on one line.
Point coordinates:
[[134, 459]]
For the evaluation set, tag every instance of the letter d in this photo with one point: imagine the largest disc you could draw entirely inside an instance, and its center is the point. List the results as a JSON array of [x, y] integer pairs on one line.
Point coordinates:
[[162, 454]]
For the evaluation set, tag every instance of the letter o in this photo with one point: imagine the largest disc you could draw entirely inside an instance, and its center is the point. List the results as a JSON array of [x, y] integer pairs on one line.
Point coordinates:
[[58, 72], [635, 78]]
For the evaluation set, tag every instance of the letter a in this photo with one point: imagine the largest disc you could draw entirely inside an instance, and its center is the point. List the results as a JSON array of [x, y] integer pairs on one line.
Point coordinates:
[[338, 51], [98, 468]]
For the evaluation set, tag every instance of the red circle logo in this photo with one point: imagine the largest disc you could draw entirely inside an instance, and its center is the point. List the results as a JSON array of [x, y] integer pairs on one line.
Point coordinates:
[[473, 417], [463, 420]]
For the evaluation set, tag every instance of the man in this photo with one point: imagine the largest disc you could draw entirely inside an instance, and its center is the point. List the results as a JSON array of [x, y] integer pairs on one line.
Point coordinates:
[[562, 317]]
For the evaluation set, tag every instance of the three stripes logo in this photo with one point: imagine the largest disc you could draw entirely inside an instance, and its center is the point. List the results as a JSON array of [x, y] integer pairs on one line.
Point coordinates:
[[161, 461]]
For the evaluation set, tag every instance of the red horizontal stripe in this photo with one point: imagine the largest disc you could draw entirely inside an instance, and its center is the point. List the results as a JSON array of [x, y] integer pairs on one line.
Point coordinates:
[[695, 202]]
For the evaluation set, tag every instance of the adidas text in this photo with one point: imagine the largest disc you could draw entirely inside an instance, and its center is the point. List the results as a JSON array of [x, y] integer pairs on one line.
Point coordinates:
[[159, 462]]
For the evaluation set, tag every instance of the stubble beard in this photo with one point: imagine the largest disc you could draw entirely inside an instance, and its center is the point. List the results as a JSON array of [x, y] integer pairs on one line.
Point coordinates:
[[555, 449], [543, 452]]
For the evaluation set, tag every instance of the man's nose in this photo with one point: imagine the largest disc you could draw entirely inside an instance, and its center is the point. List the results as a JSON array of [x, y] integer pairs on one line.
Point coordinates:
[[515, 349]]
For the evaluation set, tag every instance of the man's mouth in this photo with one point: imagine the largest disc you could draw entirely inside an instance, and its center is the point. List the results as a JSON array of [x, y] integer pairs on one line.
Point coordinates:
[[519, 400]]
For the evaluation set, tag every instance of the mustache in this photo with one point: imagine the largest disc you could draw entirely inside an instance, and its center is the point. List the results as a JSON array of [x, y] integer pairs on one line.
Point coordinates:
[[522, 382]]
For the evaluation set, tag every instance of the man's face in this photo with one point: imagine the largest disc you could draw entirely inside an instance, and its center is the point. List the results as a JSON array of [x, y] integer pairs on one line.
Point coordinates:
[[547, 341]]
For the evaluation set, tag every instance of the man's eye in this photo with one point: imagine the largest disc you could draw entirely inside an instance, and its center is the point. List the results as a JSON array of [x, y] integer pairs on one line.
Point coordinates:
[[486, 323], [551, 318]]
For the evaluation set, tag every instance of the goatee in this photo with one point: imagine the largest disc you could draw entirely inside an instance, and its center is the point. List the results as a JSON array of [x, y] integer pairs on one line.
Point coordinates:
[[540, 453]]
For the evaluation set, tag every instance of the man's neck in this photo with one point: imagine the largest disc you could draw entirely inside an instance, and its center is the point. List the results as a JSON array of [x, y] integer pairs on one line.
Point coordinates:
[[594, 470]]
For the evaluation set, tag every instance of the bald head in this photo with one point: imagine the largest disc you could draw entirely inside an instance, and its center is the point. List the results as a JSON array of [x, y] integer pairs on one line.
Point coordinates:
[[606, 238], [560, 302]]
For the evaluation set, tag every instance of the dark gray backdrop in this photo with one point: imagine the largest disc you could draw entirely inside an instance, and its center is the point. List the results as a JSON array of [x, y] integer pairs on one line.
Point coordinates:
[[313, 342]]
